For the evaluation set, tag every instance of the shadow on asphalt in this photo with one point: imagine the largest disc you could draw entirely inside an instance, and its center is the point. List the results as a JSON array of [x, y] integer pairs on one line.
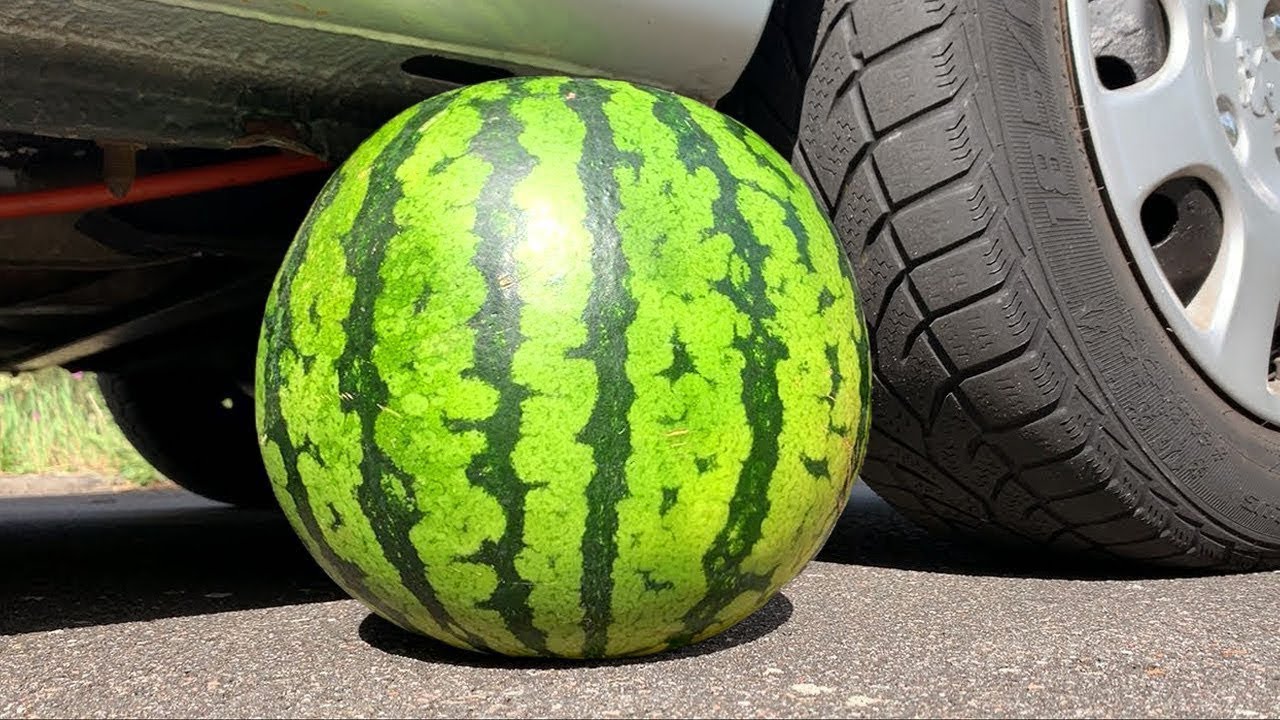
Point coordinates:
[[870, 533], [388, 638], [100, 559]]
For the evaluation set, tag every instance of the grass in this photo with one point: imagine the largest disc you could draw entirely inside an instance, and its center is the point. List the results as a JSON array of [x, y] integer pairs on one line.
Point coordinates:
[[55, 422]]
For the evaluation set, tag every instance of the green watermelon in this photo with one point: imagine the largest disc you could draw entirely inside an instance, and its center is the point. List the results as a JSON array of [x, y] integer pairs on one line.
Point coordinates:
[[563, 367]]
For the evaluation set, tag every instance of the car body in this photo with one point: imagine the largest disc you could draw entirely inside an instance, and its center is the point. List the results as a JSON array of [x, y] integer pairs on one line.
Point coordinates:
[[208, 79]]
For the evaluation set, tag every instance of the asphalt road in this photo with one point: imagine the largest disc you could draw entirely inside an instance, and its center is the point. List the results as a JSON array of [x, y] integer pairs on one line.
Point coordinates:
[[159, 604]]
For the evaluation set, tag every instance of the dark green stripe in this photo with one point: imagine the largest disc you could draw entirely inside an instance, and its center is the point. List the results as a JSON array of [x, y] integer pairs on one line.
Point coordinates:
[[862, 346], [761, 352], [766, 158], [277, 333], [610, 311], [500, 227], [837, 383], [773, 162], [862, 433], [363, 390]]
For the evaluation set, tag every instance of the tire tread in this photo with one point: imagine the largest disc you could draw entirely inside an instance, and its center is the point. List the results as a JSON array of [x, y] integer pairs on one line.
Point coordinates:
[[985, 423]]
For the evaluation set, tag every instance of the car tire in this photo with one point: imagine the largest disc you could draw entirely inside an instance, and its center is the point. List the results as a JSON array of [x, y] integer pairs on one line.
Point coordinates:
[[1026, 390], [197, 431]]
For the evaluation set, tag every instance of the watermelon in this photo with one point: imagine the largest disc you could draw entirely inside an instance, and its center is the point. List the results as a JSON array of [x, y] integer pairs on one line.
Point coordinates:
[[563, 367]]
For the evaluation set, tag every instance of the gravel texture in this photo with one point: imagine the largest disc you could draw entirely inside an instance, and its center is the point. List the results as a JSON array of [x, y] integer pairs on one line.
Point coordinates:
[[146, 604]]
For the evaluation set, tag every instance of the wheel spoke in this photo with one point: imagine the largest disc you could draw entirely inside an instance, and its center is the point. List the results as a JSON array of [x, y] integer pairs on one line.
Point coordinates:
[[1158, 125], [1248, 14], [1238, 306], [1222, 62], [1211, 112]]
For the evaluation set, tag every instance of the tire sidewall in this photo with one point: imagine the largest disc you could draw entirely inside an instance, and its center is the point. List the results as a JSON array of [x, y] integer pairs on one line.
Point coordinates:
[[175, 420], [1218, 461]]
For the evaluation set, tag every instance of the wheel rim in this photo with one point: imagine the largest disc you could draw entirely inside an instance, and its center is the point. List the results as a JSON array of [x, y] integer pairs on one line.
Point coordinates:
[[1208, 114]]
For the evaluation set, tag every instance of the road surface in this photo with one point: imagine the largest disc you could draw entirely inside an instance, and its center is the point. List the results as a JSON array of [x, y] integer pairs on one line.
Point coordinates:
[[155, 603]]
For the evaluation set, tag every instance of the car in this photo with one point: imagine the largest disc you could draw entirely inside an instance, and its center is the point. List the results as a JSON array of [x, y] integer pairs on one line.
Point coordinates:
[[1062, 216]]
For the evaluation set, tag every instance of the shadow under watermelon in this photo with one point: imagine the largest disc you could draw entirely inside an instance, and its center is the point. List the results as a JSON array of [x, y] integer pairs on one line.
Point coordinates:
[[382, 635]]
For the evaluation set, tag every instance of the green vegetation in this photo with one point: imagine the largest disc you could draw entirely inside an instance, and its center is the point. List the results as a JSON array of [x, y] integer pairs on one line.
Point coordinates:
[[53, 421]]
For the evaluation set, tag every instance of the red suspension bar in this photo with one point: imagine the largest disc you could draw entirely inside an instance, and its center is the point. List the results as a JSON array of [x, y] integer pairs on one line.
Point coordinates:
[[161, 185]]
